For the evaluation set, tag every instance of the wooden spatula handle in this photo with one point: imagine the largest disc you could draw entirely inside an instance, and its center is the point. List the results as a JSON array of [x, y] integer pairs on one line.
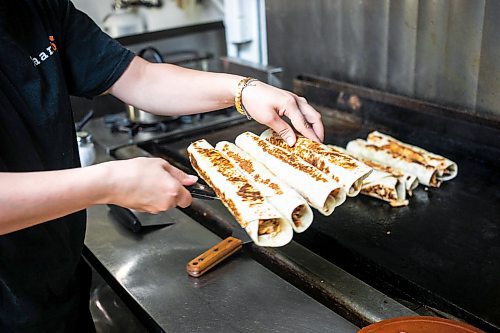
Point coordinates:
[[210, 258]]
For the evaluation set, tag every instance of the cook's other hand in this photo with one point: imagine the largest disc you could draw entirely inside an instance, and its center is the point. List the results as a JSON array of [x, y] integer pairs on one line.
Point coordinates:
[[148, 184], [267, 104]]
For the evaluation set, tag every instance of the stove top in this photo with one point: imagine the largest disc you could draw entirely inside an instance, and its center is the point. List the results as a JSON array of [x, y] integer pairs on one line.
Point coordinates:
[[116, 131]]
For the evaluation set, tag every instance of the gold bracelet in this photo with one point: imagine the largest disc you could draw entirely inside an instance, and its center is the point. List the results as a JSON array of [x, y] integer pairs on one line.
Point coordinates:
[[238, 103]]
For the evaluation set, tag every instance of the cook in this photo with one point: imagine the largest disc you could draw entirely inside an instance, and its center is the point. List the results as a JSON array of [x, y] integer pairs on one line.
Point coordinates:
[[50, 50]]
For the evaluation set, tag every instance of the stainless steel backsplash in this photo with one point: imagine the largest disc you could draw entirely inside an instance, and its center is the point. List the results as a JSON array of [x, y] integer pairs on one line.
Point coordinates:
[[445, 51]]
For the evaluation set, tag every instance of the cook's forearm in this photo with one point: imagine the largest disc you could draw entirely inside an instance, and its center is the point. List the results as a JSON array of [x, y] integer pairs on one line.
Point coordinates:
[[173, 90], [31, 198], [170, 90]]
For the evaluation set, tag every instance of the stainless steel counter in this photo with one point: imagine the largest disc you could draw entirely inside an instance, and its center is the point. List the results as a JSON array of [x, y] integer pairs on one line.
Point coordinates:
[[148, 271]]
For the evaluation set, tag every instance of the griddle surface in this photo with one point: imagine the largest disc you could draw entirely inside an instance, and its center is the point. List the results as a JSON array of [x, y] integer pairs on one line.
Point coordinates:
[[443, 249]]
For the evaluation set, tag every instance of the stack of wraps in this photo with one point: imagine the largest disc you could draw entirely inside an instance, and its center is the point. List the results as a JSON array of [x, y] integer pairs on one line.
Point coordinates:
[[268, 185], [386, 183], [287, 201], [429, 168], [268, 189], [342, 168], [263, 223], [320, 191]]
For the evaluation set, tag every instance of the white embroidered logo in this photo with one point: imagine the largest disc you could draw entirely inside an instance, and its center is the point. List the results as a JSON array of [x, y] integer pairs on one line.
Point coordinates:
[[44, 55]]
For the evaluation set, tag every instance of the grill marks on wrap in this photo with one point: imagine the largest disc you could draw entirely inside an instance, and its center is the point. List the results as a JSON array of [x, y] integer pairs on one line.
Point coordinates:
[[244, 194], [290, 159], [316, 154], [246, 191], [252, 168], [401, 153], [385, 168], [248, 166], [229, 203], [417, 155], [398, 152], [404, 152], [309, 147]]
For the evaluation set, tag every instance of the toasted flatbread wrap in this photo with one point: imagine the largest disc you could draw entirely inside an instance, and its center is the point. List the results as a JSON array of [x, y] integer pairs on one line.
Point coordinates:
[[322, 192], [447, 169], [383, 183], [426, 174], [285, 199], [385, 186], [263, 223], [344, 169], [410, 181]]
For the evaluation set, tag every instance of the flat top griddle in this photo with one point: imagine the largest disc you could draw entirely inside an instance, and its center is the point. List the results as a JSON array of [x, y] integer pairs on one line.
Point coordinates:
[[442, 250]]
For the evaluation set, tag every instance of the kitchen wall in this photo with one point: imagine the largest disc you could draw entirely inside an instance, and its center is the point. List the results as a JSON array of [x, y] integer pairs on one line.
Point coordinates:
[[169, 16], [446, 51], [245, 24]]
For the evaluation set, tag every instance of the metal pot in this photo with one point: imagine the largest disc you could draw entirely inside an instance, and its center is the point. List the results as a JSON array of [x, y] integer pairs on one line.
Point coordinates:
[[140, 116]]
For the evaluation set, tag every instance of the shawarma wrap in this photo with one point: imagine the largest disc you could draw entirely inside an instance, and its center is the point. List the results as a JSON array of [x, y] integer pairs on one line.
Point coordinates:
[[380, 153], [384, 186], [344, 169], [322, 192], [383, 183], [285, 199], [410, 181], [263, 223], [446, 169]]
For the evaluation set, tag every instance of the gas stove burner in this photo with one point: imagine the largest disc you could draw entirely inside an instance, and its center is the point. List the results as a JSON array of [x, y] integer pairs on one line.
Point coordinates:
[[119, 124], [117, 130]]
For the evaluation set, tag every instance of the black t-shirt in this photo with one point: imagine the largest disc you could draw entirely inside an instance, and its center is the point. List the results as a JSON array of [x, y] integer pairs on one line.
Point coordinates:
[[49, 51]]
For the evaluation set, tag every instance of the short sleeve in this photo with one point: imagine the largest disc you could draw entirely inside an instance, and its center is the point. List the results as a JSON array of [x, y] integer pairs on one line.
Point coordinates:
[[92, 60], [3, 167]]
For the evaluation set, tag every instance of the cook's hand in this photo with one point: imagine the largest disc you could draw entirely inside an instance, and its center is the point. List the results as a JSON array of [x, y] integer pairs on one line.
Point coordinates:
[[148, 184], [267, 104]]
